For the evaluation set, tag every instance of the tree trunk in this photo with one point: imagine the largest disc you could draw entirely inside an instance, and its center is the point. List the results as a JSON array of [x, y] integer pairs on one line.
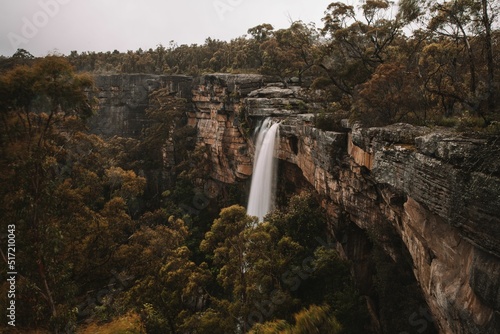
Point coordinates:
[[48, 292], [489, 56], [472, 63], [38, 240]]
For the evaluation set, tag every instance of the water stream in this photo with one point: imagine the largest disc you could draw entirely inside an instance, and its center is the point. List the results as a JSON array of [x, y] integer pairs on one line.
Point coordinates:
[[263, 185]]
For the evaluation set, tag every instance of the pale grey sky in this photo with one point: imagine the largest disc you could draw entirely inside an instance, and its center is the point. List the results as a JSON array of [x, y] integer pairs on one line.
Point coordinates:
[[45, 26]]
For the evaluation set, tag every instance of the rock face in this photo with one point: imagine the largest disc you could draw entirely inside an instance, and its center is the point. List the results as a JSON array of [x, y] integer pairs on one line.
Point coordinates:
[[217, 111], [123, 100], [449, 216], [437, 191], [274, 101], [440, 193]]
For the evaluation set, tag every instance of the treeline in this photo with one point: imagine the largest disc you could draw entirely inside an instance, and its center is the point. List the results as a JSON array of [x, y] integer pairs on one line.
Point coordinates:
[[418, 61]]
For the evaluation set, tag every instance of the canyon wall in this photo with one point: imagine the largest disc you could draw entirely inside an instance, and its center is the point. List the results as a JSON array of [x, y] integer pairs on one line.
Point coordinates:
[[123, 100], [437, 191]]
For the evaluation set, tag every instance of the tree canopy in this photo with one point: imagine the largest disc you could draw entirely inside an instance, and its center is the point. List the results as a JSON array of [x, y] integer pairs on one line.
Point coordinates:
[[445, 48]]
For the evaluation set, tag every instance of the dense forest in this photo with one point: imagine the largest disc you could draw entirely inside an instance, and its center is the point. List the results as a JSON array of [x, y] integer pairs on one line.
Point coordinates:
[[97, 246]]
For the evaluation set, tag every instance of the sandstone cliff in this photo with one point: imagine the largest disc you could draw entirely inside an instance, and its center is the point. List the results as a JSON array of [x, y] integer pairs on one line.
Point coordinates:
[[123, 100], [437, 191]]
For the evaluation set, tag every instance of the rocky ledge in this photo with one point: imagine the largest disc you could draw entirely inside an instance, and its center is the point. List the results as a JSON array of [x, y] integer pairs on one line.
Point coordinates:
[[440, 191]]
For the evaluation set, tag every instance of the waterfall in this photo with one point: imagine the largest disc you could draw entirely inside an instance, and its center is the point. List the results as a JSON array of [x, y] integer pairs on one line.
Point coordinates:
[[263, 184]]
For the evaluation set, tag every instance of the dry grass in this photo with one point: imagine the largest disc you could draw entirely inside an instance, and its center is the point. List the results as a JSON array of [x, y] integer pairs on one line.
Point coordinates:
[[127, 324]]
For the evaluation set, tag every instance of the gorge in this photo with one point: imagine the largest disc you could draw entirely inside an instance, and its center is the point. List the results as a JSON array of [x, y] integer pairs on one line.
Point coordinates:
[[427, 196]]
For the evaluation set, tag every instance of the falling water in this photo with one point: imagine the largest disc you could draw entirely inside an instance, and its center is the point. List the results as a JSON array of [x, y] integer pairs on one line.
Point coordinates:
[[263, 185]]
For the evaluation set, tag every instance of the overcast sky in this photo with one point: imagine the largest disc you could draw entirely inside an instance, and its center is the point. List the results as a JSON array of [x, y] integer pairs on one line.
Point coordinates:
[[45, 26]]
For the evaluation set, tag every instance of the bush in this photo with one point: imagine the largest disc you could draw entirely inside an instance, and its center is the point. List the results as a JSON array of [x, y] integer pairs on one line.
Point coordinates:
[[330, 121], [154, 322]]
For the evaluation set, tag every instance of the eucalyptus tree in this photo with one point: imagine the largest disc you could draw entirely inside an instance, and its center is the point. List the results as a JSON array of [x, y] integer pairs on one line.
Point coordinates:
[[291, 52], [61, 190], [460, 52], [357, 41]]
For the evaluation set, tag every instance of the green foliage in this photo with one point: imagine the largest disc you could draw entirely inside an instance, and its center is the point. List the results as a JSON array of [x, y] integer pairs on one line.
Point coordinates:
[[302, 220], [250, 261], [69, 203], [271, 270], [390, 97], [154, 322], [331, 284], [126, 324], [356, 46], [315, 319], [329, 277], [48, 87], [291, 52], [169, 287]]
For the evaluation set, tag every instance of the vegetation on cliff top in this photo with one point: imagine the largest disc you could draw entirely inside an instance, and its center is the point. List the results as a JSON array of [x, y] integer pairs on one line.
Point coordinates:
[[418, 61]]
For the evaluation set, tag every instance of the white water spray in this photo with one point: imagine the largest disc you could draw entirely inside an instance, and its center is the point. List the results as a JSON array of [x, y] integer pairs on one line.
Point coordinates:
[[263, 184]]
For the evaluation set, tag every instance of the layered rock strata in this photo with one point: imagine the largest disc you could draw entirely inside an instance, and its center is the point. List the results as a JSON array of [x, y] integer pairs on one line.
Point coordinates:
[[217, 115], [123, 100]]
